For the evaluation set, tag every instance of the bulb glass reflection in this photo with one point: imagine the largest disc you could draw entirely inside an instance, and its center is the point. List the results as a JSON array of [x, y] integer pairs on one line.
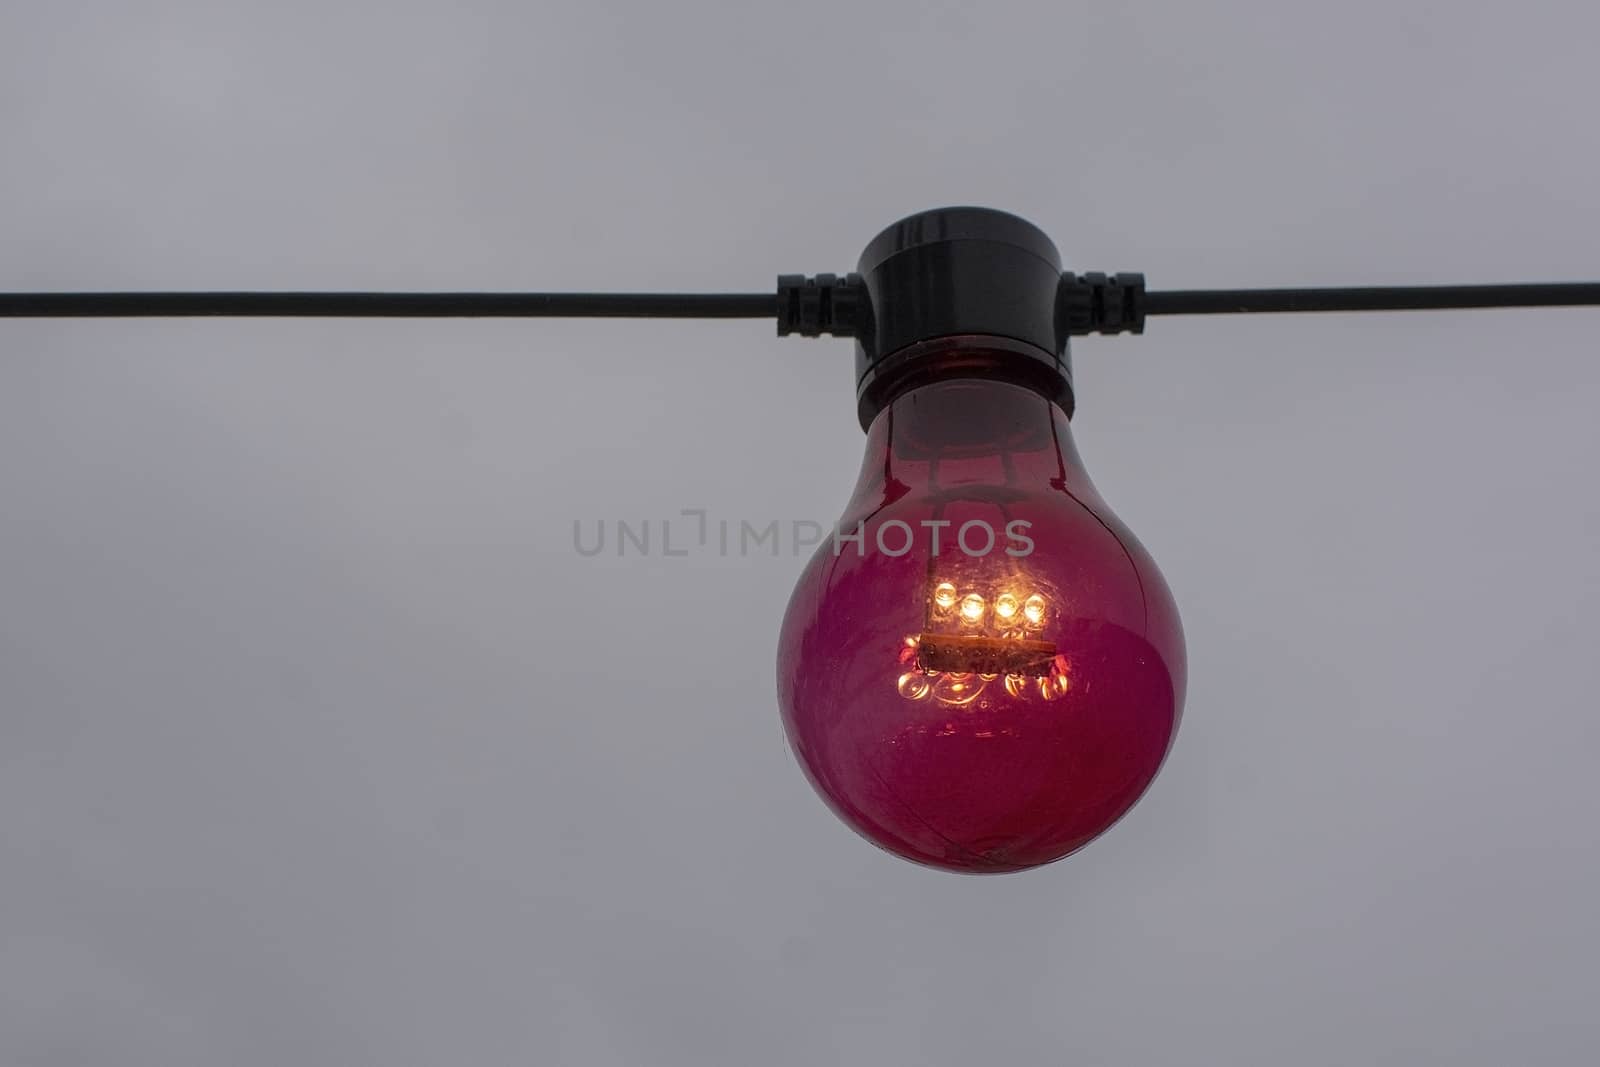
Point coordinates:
[[996, 690]]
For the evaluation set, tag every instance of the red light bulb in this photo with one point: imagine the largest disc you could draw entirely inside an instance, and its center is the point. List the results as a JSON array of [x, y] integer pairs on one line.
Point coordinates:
[[984, 670]]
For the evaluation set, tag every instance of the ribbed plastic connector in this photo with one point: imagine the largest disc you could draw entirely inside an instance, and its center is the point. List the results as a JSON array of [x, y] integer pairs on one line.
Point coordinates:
[[1097, 303], [825, 304]]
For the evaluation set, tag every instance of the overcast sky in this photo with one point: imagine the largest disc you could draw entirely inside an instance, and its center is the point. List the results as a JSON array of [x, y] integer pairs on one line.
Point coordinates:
[[314, 745]]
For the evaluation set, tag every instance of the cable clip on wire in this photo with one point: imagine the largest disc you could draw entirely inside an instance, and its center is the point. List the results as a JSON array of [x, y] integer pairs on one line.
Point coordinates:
[[1099, 303], [824, 304]]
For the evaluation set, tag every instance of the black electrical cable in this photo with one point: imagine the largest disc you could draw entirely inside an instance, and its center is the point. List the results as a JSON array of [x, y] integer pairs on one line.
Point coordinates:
[[824, 304], [393, 305], [1401, 298]]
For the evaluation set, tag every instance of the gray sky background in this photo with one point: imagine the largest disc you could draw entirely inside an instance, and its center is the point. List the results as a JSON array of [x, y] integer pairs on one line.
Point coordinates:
[[314, 746]]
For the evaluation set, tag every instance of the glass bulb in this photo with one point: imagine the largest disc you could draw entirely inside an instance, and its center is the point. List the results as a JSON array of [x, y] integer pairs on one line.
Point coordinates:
[[995, 690]]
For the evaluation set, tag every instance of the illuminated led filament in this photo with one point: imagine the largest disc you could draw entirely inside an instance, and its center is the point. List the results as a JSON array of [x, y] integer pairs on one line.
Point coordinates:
[[972, 609], [980, 641], [1005, 607]]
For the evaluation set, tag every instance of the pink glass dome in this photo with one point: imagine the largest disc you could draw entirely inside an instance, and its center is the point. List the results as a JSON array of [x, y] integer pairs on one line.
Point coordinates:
[[985, 669]]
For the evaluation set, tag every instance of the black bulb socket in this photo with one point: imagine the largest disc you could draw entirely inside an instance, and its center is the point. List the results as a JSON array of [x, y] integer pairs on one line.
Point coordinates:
[[960, 292]]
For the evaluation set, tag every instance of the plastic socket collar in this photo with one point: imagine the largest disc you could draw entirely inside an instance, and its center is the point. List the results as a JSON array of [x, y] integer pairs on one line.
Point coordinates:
[[960, 292], [961, 272]]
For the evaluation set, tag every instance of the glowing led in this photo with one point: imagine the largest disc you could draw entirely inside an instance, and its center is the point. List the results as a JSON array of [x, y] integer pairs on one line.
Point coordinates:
[[1006, 607], [957, 689], [908, 651], [914, 686], [1016, 685], [944, 595], [1053, 685], [1033, 609], [972, 608]]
